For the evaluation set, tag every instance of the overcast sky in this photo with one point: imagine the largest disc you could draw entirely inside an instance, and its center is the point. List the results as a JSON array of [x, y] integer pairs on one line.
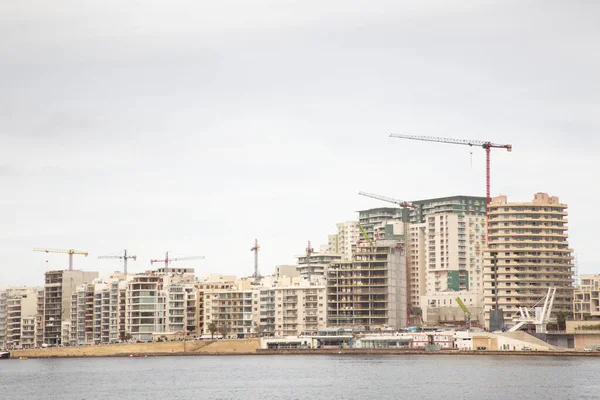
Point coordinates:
[[197, 126]]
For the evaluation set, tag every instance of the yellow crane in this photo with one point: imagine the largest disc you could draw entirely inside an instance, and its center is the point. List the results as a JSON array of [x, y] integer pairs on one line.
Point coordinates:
[[465, 309], [70, 252]]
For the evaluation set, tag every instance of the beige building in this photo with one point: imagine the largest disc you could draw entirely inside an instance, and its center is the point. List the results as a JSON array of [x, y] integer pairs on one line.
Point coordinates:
[[530, 242], [341, 242], [292, 310], [231, 310], [586, 298], [156, 304], [58, 289], [18, 313], [370, 290]]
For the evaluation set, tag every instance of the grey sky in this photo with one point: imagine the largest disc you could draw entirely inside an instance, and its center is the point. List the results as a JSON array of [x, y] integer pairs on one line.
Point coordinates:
[[197, 126]]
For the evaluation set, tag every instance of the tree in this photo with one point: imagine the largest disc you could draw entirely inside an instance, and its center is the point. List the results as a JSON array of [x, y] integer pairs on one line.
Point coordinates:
[[561, 318], [212, 328], [223, 330]]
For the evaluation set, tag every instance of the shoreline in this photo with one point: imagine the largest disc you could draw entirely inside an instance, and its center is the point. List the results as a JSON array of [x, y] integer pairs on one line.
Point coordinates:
[[248, 347]]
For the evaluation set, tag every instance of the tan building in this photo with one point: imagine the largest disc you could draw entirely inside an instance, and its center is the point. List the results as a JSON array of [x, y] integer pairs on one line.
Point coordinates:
[[231, 310], [586, 300], [292, 310], [370, 290], [530, 242], [18, 312]]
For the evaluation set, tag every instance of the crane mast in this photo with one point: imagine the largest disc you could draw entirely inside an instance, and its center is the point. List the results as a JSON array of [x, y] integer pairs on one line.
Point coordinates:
[[70, 252], [255, 250], [124, 257]]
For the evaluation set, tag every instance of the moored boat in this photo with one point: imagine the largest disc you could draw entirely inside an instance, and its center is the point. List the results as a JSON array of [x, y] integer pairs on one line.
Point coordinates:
[[137, 355]]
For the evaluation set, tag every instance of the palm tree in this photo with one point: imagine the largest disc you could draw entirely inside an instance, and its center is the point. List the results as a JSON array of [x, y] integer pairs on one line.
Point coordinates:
[[212, 328]]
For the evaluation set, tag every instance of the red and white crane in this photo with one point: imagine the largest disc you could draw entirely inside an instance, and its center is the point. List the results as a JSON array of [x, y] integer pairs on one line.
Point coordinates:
[[488, 146]]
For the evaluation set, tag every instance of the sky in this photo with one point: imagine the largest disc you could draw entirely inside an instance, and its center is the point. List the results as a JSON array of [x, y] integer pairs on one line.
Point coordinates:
[[195, 127]]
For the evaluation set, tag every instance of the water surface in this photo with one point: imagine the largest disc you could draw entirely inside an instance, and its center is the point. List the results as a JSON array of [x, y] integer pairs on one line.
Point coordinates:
[[302, 377]]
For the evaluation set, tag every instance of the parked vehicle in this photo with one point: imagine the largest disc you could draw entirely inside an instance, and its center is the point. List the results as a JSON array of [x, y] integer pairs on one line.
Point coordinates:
[[526, 348]]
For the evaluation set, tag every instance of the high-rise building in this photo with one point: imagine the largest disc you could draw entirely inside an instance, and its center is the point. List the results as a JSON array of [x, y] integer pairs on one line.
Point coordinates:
[[156, 303], [348, 233], [58, 289], [369, 290], [446, 237], [528, 253], [18, 312]]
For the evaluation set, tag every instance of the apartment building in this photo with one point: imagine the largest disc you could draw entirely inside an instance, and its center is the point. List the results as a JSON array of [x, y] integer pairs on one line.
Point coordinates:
[[212, 282], [18, 312], [82, 315], [586, 298], [58, 289], [371, 289], [529, 252], [374, 220], [292, 310], [315, 264], [231, 310], [39, 319], [156, 303]]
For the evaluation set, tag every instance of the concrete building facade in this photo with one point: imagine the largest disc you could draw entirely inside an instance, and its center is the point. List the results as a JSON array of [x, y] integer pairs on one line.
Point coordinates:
[[370, 290], [58, 289], [529, 252]]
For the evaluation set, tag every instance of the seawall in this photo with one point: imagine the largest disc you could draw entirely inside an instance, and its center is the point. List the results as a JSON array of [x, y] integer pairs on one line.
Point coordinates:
[[192, 347]]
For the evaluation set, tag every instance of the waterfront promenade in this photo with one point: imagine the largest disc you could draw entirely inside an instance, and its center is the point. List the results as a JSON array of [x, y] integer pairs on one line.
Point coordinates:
[[251, 347]]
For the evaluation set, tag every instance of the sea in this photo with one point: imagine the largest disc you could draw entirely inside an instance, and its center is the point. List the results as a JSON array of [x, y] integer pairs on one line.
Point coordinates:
[[264, 377]]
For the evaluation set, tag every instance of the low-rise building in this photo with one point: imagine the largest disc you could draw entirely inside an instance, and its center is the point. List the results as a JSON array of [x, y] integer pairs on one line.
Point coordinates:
[[586, 298]]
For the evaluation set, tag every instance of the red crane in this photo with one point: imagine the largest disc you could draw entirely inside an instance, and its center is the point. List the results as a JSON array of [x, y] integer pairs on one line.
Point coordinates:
[[488, 146]]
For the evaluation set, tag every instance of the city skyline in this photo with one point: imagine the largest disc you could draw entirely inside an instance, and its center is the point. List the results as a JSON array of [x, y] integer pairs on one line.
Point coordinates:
[[197, 130]]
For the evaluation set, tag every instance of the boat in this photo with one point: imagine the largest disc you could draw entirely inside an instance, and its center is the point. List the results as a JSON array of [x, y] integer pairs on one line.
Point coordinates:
[[137, 355], [4, 354]]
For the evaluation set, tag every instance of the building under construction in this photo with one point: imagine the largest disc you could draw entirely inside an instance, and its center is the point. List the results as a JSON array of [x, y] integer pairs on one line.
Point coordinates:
[[369, 290]]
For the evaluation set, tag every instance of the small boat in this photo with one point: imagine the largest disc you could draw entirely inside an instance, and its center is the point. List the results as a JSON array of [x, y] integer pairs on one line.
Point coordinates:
[[4, 354], [137, 355]]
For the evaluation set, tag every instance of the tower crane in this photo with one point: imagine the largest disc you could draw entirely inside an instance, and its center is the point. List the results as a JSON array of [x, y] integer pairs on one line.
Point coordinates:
[[405, 205], [168, 260], [124, 257], [255, 250], [70, 252], [488, 146]]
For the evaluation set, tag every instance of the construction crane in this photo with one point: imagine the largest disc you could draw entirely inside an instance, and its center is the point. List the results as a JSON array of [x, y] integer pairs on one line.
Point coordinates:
[[488, 146], [405, 205], [465, 309], [168, 260], [255, 250], [365, 235], [70, 252], [124, 257]]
